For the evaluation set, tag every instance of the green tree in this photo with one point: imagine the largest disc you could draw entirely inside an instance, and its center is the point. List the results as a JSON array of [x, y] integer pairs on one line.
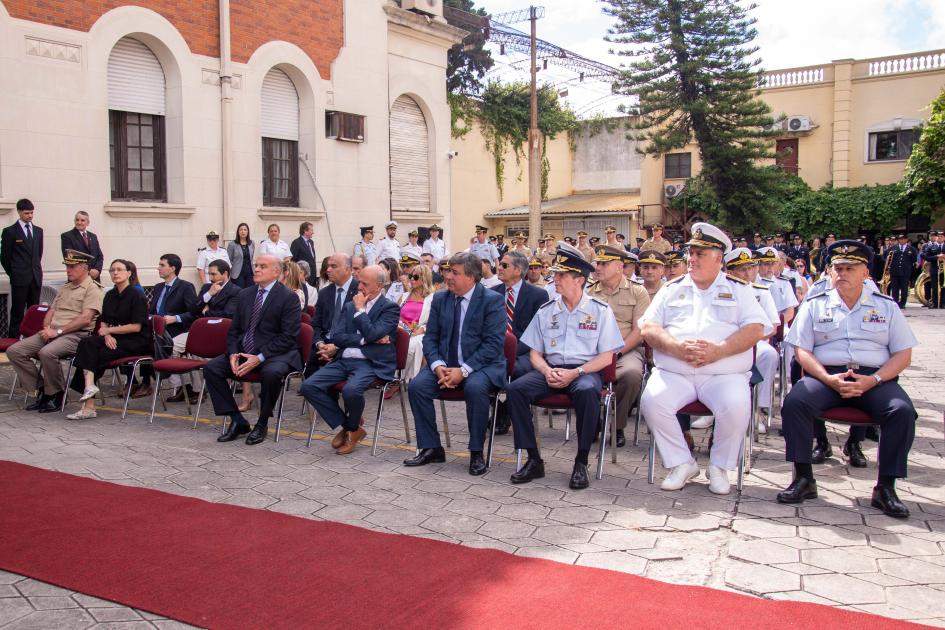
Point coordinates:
[[924, 178], [468, 62], [692, 71], [844, 211]]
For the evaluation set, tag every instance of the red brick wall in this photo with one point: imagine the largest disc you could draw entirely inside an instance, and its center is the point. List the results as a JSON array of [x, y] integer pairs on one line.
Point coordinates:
[[315, 27]]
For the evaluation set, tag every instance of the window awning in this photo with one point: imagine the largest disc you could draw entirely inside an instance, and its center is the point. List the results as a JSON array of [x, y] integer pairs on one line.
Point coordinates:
[[577, 205]]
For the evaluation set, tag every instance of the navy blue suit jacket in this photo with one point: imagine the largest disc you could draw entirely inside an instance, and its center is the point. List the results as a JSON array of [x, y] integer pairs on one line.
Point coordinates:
[[223, 304], [20, 258], [278, 329], [325, 310], [529, 300], [483, 337], [381, 321], [179, 301]]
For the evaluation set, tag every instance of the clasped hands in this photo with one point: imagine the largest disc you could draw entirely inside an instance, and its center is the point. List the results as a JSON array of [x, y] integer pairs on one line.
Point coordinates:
[[242, 369], [699, 352], [447, 377], [860, 384], [560, 378]]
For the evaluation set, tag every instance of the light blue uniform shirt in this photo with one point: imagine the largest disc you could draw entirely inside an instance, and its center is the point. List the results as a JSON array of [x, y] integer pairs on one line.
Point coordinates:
[[366, 249], [485, 251], [573, 337], [865, 335]]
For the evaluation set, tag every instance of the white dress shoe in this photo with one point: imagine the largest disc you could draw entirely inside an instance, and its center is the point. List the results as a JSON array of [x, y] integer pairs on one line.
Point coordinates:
[[702, 422], [718, 480], [762, 429], [90, 392], [679, 475], [81, 414]]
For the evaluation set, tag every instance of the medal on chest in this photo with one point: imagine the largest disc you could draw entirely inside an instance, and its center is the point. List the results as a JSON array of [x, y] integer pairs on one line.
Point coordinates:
[[588, 323]]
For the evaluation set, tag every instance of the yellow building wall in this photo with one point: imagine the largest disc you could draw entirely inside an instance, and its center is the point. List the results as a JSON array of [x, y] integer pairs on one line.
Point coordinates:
[[474, 190], [815, 148]]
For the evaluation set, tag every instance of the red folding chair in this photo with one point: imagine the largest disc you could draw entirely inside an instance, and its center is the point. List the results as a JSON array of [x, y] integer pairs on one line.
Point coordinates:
[[401, 345], [31, 324], [562, 401], [306, 318], [206, 340], [310, 310]]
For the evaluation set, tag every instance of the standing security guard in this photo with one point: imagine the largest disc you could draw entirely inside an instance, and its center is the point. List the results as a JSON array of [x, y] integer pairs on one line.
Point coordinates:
[[366, 246], [799, 251], [572, 338], [852, 344], [482, 248], [584, 247], [930, 253], [904, 259], [628, 300]]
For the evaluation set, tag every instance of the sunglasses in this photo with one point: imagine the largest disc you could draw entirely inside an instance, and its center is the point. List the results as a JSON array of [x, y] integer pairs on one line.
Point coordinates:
[[415, 276], [504, 265]]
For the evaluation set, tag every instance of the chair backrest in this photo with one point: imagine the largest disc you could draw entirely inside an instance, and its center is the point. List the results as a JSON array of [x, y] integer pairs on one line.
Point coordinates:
[[32, 321], [609, 373], [207, 337], [158, 325], [306, 334], [402, 343], [511, 354], [306, 318], [310, 309]]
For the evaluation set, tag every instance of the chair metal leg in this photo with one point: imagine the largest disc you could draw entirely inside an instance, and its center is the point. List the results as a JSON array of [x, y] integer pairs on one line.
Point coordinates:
[[311, 431], [403, 410], [65, 394], [551, 423], [603, 440], [281, 405], [155, 395], [567, 426], [518, 459], [131, 380], [446, 426], [651, 465], [203, 388], [495, 415], [377, 420], [612, 402], [12, 386]]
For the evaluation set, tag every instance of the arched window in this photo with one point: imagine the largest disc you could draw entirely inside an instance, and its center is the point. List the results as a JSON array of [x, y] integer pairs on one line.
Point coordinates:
[[409, 157], [136, 110], [280, 140]]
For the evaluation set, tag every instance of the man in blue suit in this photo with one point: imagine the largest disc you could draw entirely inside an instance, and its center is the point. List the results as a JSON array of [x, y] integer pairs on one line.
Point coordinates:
[[522, 301], [341, 287], [263, 336], [362, 349], [463, 346]]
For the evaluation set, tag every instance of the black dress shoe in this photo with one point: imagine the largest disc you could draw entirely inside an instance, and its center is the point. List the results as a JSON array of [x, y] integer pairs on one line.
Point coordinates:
[[820, 453], [38, 403], [885, 499], [533, 469], [177, 396], [429, 456], [621, 439], [191, 395], [258, 434], [235, 430], [579, 479], [53, 403], [872, 434], [800, 489], [855, 454], [477, 464]]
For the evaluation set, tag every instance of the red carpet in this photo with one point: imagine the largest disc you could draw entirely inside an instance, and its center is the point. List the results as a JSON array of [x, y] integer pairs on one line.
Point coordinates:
[[221, 566]]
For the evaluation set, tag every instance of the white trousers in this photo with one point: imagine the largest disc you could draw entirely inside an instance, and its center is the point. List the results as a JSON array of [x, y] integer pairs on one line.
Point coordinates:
[[726, 395], [180, 344], [766, 360]]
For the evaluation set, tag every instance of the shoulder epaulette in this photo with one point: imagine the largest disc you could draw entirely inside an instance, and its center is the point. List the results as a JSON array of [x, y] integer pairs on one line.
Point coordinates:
[[637, 281], [884, 296], [675, 280], [818, 296], [549, 302], [761, 286], [736, 279], [200, 249], [599, 301], [783, 277]]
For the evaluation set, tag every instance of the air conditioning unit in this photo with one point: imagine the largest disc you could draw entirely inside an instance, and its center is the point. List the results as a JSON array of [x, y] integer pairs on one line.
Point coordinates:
[[798, 123], [673, 190], [427, 7]]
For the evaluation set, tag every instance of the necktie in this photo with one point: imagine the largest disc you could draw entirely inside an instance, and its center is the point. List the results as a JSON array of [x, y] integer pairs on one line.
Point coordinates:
[[339, 304], [249, 340], [85, 239], [160, 304], [29, 232], [453, 358], [311, 247], [509, 308]]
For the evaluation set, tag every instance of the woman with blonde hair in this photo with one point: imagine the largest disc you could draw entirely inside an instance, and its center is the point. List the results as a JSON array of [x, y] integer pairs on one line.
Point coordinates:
[[414, 313], [294, 278]]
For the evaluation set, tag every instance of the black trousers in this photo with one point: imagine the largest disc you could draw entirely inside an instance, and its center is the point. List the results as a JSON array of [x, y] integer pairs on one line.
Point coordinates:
[[93, 354], [887, 403], [585, 400], [899, 289], [217, 373], [21, 298]]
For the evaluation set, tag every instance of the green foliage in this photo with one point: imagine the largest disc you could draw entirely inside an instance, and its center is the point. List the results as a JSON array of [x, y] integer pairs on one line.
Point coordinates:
[[468, 62], [924, 178], [845, 211], [692, 71]]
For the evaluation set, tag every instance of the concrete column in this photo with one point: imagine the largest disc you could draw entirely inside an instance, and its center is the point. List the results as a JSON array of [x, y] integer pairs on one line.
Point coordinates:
[[842, 108]]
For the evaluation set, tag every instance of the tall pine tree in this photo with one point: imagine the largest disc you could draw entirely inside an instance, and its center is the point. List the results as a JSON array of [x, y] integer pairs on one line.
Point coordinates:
[[692, 68], [468, 62]]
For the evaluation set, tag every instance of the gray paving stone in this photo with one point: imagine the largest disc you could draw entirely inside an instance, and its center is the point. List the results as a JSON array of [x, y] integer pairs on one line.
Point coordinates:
[[762, 552], [12, 608], [507, 529], [623, 540], [70, 619], [452, 523], [34, 588], [575, 515], [103, 615], [844, 589], [913, 569], [760, 579], [55, 602], [562, 534], [548, 552], [905, 545], [614, 560], [922, 599]]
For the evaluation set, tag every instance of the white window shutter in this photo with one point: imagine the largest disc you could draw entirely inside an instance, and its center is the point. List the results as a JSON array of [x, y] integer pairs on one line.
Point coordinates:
[[280, 107], [409, 157], [135, 79]]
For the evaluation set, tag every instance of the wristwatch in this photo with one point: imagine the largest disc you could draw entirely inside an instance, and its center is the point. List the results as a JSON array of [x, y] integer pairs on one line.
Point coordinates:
[[581, 371], [879, 379], [464, 372], [59, 332]]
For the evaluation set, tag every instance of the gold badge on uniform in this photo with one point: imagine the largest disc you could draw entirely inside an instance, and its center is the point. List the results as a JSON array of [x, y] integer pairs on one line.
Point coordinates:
[[588, 323], [726, 296]]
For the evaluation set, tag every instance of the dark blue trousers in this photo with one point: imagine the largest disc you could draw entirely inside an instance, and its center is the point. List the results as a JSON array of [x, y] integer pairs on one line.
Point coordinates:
[[888, 403], [585, 400], [317, 391], [423, 390]]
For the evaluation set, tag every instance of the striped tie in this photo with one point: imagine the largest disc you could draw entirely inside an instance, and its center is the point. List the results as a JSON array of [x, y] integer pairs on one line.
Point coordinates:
[[509, 308], [249, 337]]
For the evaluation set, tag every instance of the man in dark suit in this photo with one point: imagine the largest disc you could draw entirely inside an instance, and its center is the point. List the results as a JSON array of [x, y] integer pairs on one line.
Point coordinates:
[[173, 299], [264, 336], [340, 290], [463, 346], [905, 257], [217, 298], [21, 256], [362, 349], [522, 301], [81, 240], [303, 249]]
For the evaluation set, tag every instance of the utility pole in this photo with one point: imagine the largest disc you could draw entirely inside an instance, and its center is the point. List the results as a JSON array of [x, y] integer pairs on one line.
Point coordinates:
[[534, 146]]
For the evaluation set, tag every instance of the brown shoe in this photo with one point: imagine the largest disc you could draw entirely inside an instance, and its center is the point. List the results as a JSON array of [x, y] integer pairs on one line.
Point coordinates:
[[339, 440], [177, 397], [351, 441], [143, 391]]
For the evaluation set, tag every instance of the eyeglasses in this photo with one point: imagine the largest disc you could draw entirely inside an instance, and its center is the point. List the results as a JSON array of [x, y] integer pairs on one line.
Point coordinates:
[[504, 265], [415, 276]]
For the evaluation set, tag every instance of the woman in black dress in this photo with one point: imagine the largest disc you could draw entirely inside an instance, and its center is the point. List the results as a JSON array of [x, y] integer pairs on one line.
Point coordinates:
[[124, 331]]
